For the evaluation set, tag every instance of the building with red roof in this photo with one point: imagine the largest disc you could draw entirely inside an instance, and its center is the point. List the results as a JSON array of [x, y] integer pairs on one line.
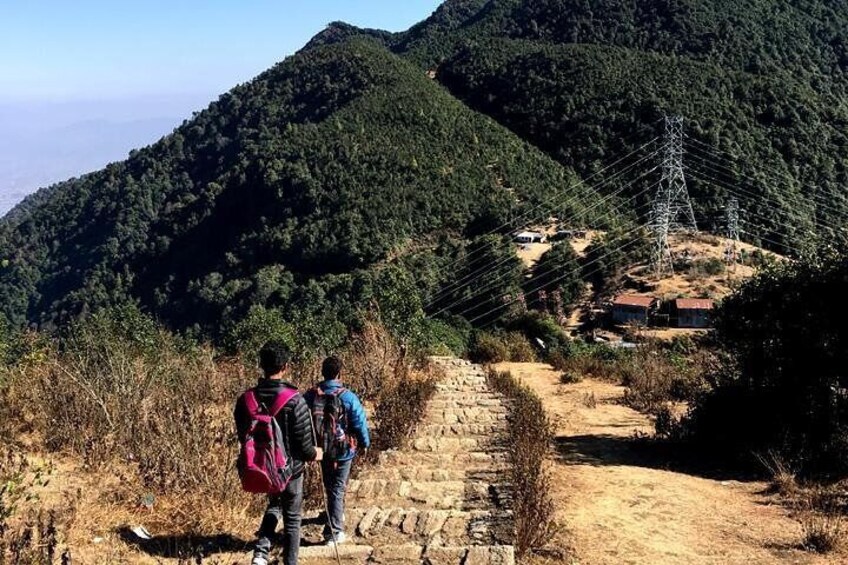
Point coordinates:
[[694, 312], [633, 309]]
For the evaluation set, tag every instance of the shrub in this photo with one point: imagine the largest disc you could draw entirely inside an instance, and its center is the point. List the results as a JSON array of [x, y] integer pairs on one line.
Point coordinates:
[[497, 348], [33, 538], [536, 325], [707, 267], [570, 378], [488, 348], [440, 337], [822, 524], [784, 385], [530, 434], [519, 347]]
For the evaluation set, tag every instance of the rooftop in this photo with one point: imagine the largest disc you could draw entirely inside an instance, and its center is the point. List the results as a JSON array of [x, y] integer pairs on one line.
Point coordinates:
[[694, 304], [633, 300]]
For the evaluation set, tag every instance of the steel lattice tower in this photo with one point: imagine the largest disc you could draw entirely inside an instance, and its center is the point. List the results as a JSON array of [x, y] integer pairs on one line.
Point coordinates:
[[732, 219], [672, 211]]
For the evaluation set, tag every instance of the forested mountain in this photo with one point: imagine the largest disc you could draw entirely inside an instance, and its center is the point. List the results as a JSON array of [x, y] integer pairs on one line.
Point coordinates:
[[301, 181], [762, 85], [303, 187]]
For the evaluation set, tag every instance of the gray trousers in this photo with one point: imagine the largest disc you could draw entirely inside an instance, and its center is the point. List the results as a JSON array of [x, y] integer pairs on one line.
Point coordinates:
[[285, 507]]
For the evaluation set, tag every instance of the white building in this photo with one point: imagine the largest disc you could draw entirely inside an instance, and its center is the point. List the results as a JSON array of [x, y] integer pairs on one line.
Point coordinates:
[[530, 237]]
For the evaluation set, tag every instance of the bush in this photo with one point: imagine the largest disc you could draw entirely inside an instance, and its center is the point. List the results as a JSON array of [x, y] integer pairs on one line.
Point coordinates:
[[530, 435], [445, 337], [783, 387], [707, 267], [822, 522], [536, 325], [380, 371], [488, 348], [498, 348]]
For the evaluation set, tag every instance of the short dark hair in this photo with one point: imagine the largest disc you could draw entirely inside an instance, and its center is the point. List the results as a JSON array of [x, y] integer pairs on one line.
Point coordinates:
[[331, 368], [273, 357]]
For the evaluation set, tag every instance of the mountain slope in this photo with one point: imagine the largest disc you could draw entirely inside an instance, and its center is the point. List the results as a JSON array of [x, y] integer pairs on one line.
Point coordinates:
[[315, 171], [762, 86]]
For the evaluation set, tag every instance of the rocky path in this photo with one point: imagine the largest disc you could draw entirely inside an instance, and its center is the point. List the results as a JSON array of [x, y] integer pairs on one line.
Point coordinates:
[[441, 501]]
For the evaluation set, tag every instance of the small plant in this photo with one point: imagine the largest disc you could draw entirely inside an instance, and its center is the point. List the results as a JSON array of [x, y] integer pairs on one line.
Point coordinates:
[[783, 480], [822, 523], [489, 348], [589, 400], [570, 378]]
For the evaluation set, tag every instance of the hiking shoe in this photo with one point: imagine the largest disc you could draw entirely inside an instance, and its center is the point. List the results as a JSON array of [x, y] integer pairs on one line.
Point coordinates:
[[259, 560], [339, 539]]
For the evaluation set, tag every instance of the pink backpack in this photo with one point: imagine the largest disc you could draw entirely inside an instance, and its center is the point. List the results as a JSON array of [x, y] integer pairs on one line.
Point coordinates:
[[263, 463]]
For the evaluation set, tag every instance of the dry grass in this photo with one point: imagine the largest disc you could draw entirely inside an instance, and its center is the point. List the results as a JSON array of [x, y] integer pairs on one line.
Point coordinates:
[[822, 522], [147, 420], [530, 436], [784, 480]]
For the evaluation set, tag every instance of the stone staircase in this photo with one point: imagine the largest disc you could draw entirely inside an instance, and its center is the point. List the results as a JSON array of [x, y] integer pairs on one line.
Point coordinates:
[[443, 501]]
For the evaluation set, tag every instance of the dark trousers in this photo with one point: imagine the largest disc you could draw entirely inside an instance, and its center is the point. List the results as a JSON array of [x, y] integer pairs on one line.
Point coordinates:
[[336, 474], [285, 507]]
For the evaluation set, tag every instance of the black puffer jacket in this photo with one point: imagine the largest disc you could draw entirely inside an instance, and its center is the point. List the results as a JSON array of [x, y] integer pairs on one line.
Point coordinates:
[[294, 419]]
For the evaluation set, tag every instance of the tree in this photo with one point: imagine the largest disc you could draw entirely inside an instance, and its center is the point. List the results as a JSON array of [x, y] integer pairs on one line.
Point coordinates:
[[556, 279]]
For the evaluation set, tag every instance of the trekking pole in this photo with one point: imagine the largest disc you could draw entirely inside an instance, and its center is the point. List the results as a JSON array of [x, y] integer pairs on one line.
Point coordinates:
[[324, 498]]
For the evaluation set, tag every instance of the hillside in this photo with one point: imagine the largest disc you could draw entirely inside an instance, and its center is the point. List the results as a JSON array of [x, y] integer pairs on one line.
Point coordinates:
[[299, 190], [310, 175]]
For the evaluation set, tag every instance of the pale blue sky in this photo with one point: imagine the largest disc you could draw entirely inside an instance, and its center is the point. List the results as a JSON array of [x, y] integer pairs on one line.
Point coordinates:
[[82, 82], [84, 49]]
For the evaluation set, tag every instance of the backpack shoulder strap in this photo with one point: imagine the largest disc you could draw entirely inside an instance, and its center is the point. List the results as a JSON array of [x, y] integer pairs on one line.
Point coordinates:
[[282, 399], [250, 402], [339, 391]]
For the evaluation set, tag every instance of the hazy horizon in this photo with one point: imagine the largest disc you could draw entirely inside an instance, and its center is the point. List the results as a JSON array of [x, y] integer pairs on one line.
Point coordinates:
[[83, 84]]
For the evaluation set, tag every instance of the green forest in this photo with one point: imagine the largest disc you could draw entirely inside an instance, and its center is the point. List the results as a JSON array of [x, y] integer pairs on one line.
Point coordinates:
[[347, 177]]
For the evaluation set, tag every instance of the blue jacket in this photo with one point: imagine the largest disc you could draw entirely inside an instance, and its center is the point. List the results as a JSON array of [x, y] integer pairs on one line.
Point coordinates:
[[356, 423]]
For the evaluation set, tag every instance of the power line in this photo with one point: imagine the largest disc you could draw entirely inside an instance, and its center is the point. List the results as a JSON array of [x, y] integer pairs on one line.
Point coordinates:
[[769, 173], [545, 204], [565, 275], [492, 283], [444, 291]]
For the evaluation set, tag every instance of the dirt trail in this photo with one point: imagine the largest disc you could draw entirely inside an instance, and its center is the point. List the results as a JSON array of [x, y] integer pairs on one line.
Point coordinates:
[[620, 504]]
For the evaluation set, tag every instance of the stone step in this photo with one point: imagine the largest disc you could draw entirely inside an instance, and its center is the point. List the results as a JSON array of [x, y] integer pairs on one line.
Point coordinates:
[[456, 444], [460, 416], [478, 388], [462, 430], [466, 395], [473, 492], [402, 524], [495, 405], [418, 472], [410, 554], [349, 553], [467, 460]]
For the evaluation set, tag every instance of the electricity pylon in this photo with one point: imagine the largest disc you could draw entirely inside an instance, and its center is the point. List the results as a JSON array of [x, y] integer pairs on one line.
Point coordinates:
[[672, 211], [731, 251]]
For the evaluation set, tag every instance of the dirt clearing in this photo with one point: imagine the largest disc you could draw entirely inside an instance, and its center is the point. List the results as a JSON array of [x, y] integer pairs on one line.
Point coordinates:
[[619, 503]]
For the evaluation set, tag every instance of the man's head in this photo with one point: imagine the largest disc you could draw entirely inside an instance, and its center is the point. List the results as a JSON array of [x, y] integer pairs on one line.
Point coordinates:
[[274, 358], [331, 368]]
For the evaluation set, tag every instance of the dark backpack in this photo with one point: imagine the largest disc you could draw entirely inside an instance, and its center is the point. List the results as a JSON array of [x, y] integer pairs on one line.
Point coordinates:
[[329, 418], [263, 464]]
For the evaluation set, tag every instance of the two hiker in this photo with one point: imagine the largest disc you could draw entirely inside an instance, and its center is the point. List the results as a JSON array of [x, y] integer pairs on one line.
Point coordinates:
[[280, 430]]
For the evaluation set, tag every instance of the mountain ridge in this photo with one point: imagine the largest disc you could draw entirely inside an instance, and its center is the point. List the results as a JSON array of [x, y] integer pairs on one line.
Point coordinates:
[[297, 186]]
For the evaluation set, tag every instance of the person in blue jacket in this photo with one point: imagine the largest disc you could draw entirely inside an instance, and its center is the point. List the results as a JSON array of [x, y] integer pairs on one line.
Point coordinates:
[[353, 425]]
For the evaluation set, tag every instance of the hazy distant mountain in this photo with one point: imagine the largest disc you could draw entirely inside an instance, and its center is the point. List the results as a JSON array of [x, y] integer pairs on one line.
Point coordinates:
[[369, 149], [31, 160], [42, 143]]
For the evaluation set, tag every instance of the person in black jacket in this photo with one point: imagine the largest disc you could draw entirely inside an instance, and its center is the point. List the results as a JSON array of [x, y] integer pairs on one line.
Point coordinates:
[[295, 422]]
